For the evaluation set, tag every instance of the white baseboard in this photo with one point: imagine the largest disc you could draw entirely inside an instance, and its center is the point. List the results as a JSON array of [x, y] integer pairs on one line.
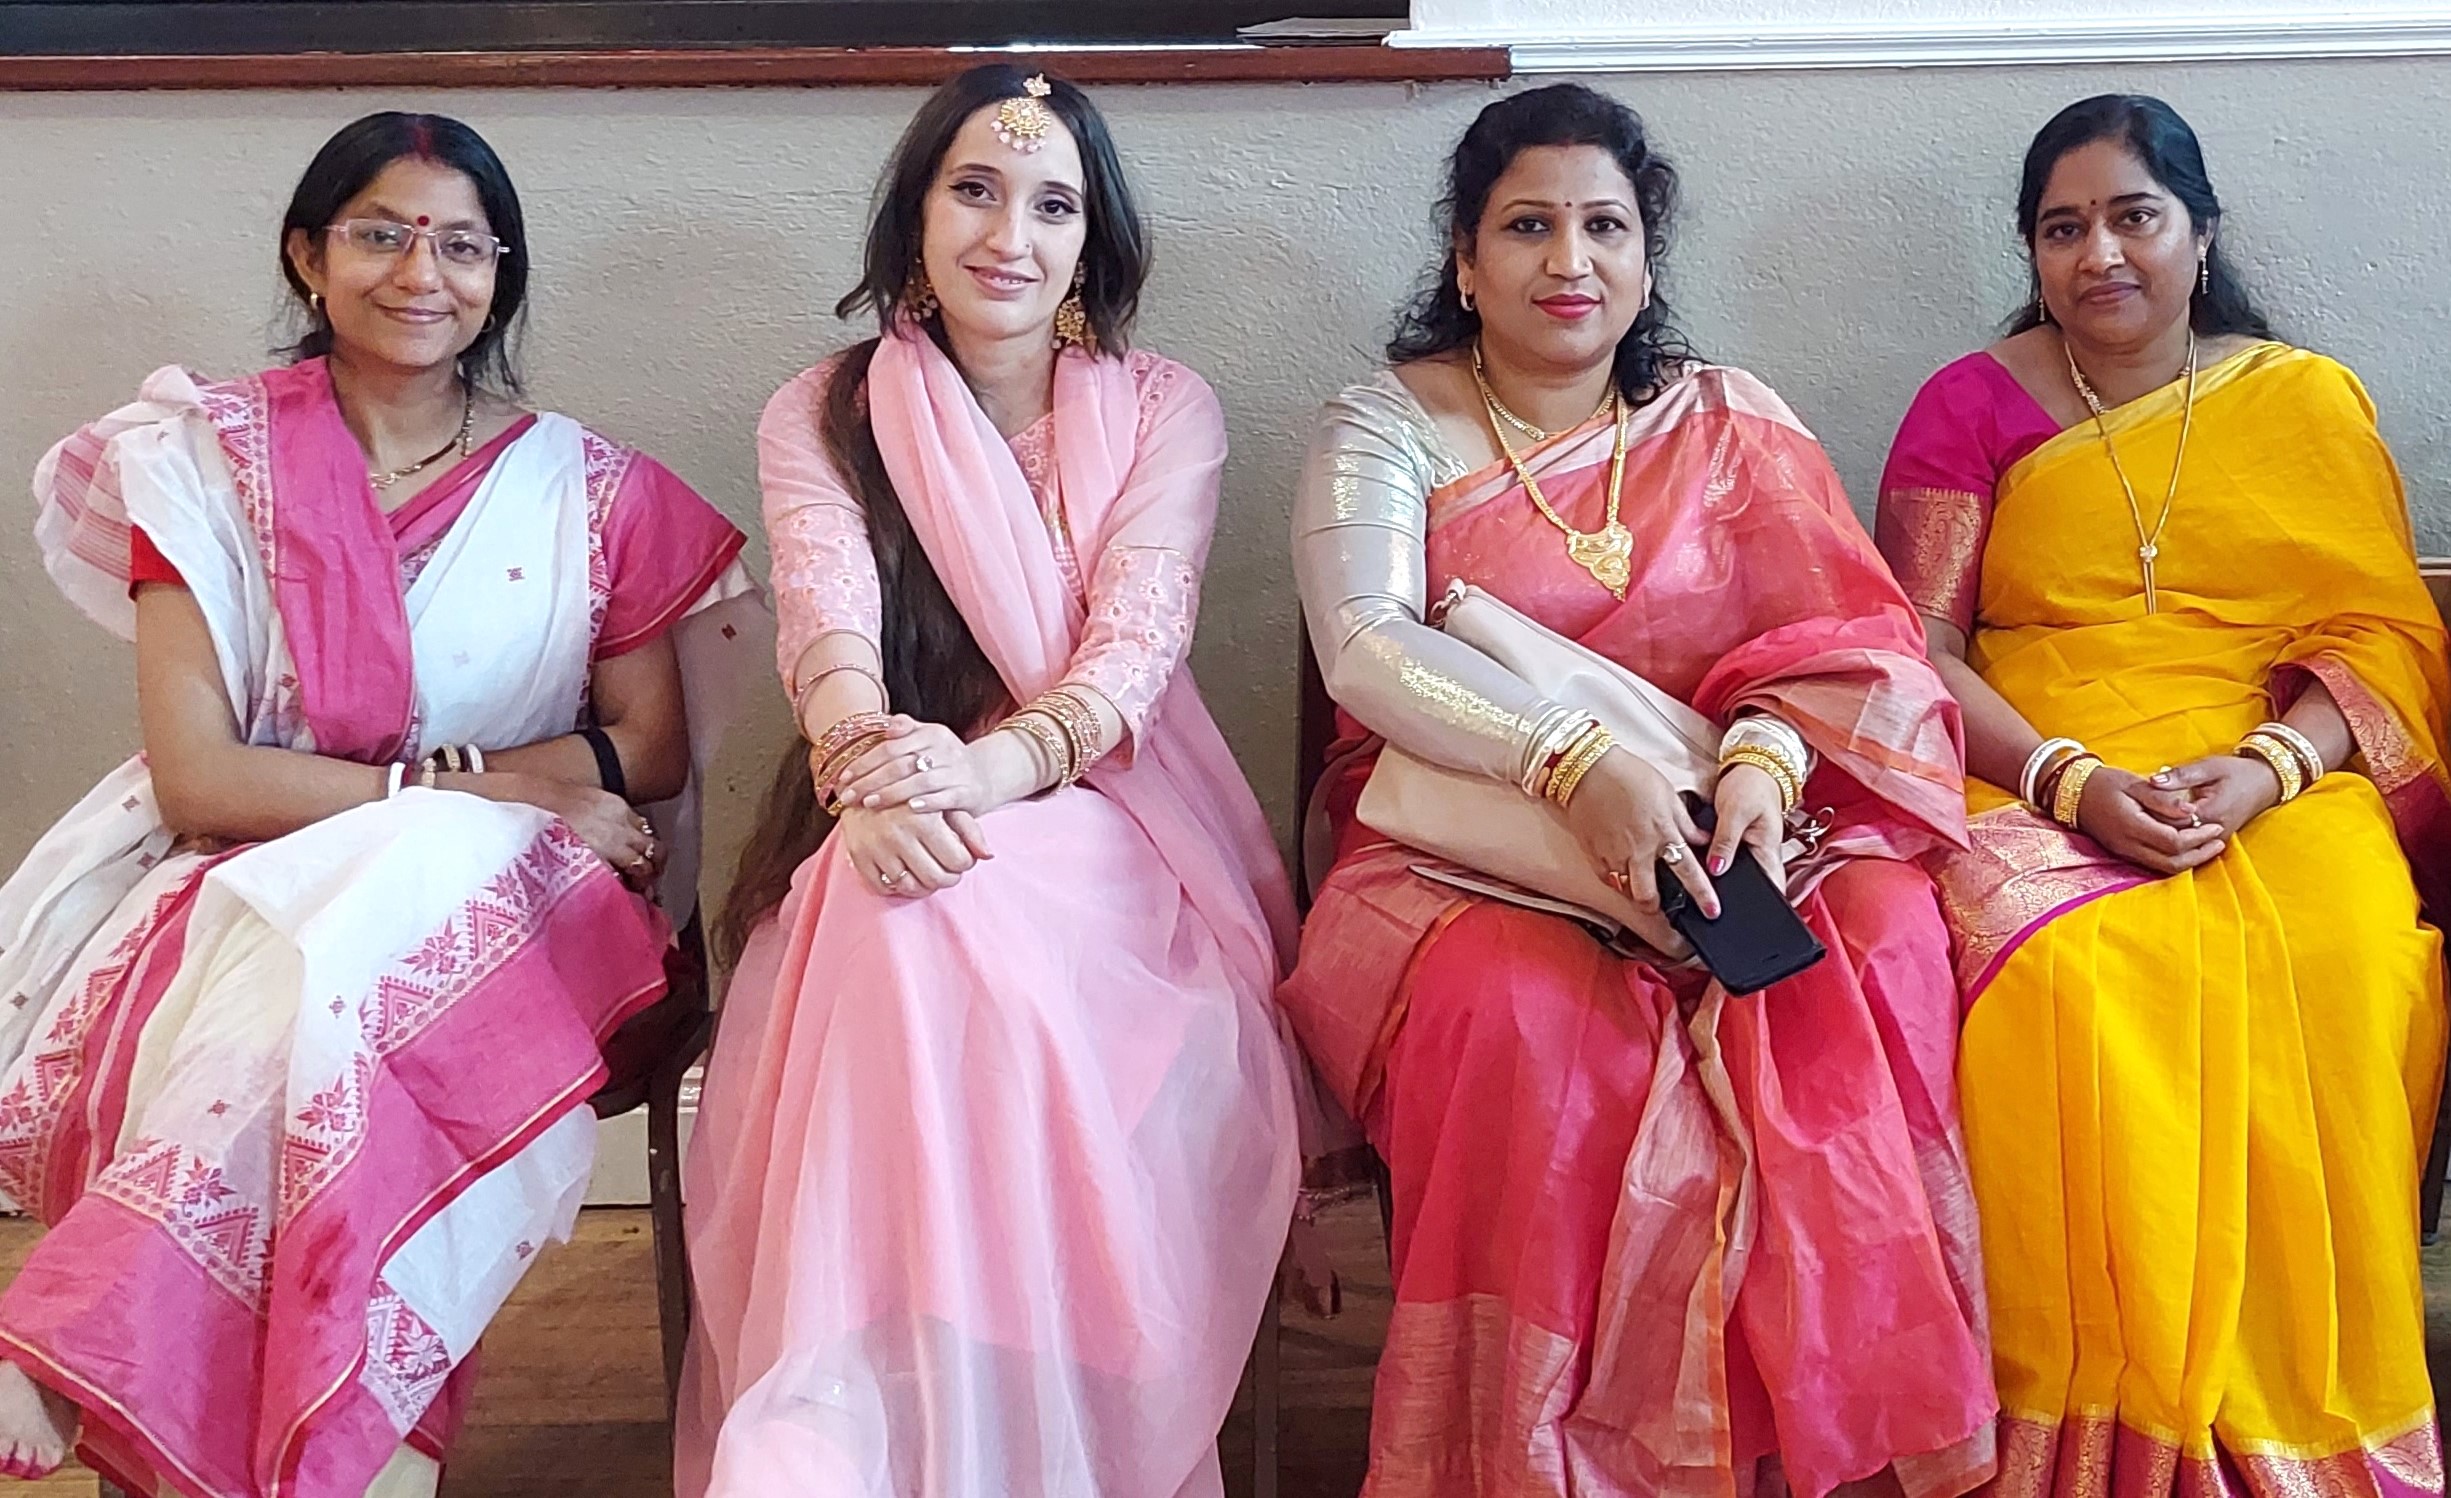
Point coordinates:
[[1949, 44]]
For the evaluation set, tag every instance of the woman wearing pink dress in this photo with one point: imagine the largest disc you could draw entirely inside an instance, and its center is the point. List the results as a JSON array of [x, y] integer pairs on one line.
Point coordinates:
[[997, 1155]]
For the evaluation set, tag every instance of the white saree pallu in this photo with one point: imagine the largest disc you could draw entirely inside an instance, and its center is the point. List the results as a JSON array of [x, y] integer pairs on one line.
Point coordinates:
[[299, 1114]]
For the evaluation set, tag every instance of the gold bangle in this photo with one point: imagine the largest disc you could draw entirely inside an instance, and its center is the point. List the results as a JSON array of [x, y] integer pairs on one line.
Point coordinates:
[[2283, 762], [2069, 795], [1035, 728], [833, 765], [1080, 724], [1587, 752], [1772, 764], [2300, 747]]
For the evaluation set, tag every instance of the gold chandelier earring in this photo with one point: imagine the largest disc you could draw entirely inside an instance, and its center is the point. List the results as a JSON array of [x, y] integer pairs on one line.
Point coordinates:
[[1072, 319]]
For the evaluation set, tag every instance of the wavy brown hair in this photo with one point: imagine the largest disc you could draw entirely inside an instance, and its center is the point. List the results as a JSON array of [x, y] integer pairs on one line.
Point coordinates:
[[934, 668]]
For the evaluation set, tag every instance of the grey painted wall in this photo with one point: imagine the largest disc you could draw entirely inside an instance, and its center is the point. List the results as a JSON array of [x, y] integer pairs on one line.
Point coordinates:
[[1845, 233]]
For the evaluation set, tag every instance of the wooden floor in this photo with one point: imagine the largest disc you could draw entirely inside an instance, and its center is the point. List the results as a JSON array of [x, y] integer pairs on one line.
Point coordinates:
[[571, 1402]]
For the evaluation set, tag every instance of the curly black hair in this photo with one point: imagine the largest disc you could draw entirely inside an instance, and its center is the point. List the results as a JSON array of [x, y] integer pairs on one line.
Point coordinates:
[[1562, 114]]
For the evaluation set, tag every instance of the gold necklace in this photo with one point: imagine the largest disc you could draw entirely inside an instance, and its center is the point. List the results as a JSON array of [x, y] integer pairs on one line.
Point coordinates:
[[1480, 377], [2148, 543], [1608, 553], [458, 444]]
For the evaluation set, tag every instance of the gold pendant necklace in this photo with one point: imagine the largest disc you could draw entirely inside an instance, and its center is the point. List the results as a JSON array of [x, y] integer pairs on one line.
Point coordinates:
[[2148, 543], [1608, 553], [459, 444]]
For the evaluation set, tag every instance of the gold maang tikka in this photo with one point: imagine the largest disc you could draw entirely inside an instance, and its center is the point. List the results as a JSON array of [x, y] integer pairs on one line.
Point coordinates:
[[1022, 122]]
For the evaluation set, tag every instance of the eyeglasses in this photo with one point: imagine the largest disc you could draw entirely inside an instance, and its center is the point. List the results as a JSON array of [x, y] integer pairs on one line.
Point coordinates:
[[461, 249]]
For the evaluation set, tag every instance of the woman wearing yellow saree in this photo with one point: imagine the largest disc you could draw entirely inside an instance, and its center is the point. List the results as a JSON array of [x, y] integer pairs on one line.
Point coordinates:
[[2166, 566]]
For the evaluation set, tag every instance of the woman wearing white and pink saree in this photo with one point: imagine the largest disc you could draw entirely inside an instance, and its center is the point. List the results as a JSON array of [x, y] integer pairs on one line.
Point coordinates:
[[303, 1004]]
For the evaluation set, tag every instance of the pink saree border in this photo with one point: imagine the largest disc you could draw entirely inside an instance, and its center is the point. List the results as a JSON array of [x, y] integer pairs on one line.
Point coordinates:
[[2017, 874], [2094, 1455], [308, 1330]]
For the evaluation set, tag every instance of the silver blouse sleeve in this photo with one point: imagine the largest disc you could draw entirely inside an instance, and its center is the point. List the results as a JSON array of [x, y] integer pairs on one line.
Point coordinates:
[[1361, 520]]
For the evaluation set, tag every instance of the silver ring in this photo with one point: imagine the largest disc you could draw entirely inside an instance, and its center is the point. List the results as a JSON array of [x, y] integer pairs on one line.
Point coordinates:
[[1675, 852], [890, 880], [923, 764]]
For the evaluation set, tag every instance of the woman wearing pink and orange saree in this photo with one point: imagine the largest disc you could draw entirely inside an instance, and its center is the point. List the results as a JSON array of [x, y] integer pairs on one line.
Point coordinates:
[[1648, 1238]]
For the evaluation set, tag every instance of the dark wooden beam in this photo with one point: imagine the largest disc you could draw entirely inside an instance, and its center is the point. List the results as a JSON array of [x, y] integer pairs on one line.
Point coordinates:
[[743, 67]]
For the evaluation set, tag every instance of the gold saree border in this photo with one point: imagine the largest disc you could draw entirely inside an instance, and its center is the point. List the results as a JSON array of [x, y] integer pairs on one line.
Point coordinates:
[[2092, 1453], [2152, 406]]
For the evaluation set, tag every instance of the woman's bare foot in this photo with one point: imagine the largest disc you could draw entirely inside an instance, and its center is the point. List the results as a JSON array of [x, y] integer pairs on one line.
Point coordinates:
[[36, 1426]]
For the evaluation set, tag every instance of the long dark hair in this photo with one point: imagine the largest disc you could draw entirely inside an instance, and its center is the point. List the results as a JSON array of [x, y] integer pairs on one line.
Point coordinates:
[[355, 156], [2156, 135], [1562, 114], [934, 668]]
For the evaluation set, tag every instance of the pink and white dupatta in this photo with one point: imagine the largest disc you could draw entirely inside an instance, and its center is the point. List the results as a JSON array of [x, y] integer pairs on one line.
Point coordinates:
[[298, 1114], [989, 1188]]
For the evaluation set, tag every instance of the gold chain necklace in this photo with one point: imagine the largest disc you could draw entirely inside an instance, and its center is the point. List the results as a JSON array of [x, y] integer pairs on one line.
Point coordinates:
[[1608, 553], [458, 444], [2148, 543], [1480, 377]]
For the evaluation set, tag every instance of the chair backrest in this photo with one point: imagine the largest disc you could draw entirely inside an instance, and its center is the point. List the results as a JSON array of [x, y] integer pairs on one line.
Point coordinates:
[[2437, 574]]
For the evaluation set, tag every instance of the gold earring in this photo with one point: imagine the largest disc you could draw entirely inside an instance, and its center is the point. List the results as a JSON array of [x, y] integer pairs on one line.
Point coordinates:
[[2204, 273], [918, 297], [314, 302], [2042, 309], [1072, 320], [1464, 294]]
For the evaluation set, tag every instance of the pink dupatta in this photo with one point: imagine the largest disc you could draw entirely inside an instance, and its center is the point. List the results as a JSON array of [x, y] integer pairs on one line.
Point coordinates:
[[981, 528]]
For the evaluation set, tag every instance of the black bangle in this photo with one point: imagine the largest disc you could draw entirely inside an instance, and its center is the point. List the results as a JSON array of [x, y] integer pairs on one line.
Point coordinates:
[[608, 762]]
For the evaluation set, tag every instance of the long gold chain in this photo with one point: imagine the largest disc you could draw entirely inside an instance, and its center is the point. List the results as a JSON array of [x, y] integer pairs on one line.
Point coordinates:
[[1608, 553], [2148, 543]]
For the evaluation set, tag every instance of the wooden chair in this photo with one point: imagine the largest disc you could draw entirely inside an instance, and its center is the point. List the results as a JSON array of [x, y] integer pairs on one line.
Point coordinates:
[[649, 1056], [2437, 574]]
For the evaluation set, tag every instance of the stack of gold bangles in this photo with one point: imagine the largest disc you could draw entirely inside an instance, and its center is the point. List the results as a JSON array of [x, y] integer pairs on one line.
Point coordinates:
[[1065, 729], [839, 745], [2291, 755], [1584, 751], [2053, 782], [1773, 748]]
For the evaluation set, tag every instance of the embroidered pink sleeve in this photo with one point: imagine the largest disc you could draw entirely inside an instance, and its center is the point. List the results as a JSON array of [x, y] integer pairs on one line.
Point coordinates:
[[1143, 602], [825, 576], [1144, 584]]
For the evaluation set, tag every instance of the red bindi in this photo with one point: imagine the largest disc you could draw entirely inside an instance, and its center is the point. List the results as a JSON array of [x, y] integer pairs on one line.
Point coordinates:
[[422, 221]]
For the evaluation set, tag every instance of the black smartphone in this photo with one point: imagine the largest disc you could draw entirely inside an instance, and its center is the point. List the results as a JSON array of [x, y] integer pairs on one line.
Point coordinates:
[[1758, 939]]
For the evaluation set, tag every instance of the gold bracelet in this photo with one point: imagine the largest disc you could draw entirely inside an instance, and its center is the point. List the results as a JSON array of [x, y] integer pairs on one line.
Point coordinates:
[[1770, 763], [2303, 748], [2276, 754], [2069, 795], [1040, 731], [840, 760], [1587, 752], [1080, 725]]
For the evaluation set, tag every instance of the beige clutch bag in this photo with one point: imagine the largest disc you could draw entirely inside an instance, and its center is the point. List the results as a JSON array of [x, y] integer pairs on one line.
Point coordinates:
[[1495, 829]]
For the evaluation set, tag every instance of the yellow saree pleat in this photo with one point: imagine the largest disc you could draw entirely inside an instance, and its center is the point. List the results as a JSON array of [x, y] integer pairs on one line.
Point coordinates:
[[2195, 1108]]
